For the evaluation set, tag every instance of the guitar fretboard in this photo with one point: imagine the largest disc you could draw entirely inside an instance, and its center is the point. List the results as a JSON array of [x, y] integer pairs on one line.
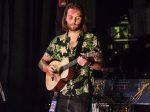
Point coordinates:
[[72, 63]]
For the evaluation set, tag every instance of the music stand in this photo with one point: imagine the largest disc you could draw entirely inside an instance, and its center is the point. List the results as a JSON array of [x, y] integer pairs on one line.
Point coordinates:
[[2, 93]]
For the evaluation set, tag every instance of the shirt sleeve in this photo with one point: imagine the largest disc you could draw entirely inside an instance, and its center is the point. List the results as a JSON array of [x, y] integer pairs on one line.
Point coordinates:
[[51, 49], [97, 49]]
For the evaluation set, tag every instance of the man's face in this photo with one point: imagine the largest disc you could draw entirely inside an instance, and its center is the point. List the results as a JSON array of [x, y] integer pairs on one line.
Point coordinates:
[[73, 19]]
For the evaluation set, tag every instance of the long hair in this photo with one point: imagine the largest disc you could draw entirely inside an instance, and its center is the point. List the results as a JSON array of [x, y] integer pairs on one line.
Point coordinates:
[[83, 16]]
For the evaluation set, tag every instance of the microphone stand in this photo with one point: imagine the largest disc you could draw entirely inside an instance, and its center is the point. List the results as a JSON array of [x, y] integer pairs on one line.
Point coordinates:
[[2, 93]]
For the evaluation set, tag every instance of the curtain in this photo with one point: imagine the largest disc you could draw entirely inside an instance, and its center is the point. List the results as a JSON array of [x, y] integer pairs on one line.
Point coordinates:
[[26, 28]]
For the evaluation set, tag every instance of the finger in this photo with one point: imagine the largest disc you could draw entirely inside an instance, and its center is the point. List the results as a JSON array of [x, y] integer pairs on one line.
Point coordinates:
[[81, 54], [52, 67], [50, 70]]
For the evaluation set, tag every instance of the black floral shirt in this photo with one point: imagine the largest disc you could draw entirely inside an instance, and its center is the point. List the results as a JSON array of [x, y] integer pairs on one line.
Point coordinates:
[[59, 49]]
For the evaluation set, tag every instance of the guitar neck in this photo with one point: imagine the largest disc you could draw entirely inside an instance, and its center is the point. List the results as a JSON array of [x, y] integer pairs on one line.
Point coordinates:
[[72, 63], [84, 55]]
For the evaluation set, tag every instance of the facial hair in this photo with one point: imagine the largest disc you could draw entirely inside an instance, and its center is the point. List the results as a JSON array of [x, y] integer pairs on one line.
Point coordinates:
[[76, 28]]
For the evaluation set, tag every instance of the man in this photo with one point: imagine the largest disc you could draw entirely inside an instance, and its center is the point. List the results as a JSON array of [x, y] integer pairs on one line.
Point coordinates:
[[75, 95]]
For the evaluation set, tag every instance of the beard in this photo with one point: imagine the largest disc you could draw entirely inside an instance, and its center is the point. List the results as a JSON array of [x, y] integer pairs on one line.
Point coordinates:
[[74, 27]]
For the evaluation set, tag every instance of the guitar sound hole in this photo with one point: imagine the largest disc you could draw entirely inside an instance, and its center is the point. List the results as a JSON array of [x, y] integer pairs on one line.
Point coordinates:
[[60, 70]]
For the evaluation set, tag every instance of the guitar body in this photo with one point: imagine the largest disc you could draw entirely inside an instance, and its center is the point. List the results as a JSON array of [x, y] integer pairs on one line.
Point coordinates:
[[58, 81]]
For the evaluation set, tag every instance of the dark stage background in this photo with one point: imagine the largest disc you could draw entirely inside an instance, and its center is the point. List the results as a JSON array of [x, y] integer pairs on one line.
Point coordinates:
[[26, 28]]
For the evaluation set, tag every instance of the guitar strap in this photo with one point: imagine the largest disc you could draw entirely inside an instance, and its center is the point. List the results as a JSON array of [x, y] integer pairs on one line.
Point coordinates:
[[79, 45], [53, 102]]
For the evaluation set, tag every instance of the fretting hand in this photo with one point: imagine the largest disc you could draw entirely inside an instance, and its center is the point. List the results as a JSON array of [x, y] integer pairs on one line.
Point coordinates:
[[82, 61]]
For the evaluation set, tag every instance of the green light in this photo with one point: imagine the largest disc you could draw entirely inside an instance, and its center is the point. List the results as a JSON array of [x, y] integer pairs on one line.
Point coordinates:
[[126, 46], [110, 46], [117, 29], [124, 40]]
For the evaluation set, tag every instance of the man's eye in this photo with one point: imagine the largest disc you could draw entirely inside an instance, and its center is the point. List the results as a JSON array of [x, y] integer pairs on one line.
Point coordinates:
[[78, 18]]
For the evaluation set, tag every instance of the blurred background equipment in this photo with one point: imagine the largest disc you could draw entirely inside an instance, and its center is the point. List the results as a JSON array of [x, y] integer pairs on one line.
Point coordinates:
[[120, 95]]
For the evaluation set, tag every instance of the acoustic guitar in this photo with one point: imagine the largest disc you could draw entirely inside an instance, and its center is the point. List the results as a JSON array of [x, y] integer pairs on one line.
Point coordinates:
[[63, 72]]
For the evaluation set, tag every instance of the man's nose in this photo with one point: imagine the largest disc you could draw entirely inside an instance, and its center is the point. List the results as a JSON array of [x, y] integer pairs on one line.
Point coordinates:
[[74, 20]]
